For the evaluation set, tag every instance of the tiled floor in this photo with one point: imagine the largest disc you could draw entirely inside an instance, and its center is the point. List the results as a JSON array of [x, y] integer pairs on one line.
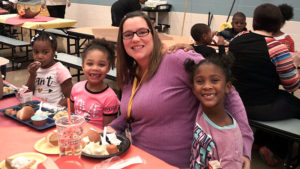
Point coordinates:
[[19, 78]]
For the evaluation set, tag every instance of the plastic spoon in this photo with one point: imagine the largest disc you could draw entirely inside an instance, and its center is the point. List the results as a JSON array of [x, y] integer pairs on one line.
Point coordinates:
[[104, 137], [39, 111]]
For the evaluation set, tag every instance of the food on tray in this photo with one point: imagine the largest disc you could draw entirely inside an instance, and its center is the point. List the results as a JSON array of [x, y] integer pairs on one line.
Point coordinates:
[[112, 149], [25, 113], [28, 104], [39, 120], [19, 163], [112, 137], [7, 90], [37, 63], [92, 135], [10, 111], [60, 114], [214, 164], [95, 149], [52, 139], [42, 112], [92, 144]]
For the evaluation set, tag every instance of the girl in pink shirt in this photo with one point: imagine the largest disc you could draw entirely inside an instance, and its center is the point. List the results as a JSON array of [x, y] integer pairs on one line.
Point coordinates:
[[93, 98], [217, 135]]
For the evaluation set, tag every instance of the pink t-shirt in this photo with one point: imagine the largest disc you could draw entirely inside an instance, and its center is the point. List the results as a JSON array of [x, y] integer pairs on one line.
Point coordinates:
[[48, 83], [94, 105]]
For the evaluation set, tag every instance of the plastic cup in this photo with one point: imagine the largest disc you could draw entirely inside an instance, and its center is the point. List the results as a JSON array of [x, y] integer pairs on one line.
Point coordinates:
[[69, 135]]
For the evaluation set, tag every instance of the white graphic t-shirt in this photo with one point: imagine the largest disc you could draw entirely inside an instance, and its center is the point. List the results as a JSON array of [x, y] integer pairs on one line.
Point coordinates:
[[48, 83]]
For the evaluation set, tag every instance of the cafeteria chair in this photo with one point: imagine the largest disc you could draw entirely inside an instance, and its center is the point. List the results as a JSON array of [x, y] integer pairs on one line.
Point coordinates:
[[11, 43], [290, 129]]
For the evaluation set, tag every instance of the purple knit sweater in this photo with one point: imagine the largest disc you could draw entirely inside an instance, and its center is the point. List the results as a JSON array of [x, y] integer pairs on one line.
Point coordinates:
[[164, 109]]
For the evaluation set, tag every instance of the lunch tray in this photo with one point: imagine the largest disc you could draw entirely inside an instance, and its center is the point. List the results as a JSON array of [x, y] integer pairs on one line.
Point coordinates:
[[50, 121], [9, 94]]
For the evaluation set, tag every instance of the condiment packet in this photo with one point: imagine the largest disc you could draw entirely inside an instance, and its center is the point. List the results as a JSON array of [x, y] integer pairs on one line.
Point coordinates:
[[117, 163], [214, 164], [113, 139], [24, 94]]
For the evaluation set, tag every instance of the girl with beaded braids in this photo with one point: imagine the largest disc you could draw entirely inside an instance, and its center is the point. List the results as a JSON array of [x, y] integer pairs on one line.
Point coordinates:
[[93, 98], [211, 79], [49, 80]]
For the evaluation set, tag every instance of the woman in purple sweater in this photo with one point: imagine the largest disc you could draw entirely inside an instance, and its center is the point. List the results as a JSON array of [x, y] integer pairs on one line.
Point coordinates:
[[157, 99]]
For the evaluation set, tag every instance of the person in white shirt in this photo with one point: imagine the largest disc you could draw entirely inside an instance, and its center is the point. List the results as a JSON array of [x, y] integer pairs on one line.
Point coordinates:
[[56, 8]]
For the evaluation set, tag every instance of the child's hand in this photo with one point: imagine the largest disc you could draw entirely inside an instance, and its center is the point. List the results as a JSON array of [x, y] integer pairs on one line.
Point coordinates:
[[214, 33], [33, 67], [221, 40]]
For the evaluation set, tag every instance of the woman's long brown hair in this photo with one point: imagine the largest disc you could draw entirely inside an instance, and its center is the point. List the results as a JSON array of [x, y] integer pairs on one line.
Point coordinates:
[[126, 65]]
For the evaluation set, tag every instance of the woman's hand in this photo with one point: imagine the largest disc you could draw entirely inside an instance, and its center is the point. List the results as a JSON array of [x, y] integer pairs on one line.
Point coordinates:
[[185, 47], [33, 67], [246, 163], [109, 129]]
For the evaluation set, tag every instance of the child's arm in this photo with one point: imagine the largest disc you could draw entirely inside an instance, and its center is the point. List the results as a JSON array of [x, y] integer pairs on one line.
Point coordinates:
[[221, 43], [72, 106], [1, 85], [66, 87], [112, 105], [108, 118], [32, 68], [235, 106]]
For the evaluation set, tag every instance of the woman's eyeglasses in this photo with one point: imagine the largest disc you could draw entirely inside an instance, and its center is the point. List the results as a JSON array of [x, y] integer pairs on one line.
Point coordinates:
[[140, 33]]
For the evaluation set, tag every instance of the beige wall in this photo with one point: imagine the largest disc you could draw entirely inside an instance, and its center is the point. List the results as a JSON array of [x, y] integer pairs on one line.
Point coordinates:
[[95, 15]]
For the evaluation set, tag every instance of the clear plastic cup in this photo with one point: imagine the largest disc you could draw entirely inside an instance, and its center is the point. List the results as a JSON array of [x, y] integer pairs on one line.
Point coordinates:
[[69, 135]]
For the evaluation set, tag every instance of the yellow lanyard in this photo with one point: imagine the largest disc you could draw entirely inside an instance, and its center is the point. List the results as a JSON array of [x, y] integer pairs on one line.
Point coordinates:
[[134, 89]]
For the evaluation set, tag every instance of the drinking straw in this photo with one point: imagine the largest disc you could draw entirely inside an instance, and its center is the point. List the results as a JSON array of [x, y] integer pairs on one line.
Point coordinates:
[[69, 109], [69, 115]]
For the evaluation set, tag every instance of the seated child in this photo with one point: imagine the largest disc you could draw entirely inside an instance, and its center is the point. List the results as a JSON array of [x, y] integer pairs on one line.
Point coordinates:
[[1, 85], [3, 62], [93, 98], [217, 135], [202, 36], [49, 80], [287, 14], [238, 25]]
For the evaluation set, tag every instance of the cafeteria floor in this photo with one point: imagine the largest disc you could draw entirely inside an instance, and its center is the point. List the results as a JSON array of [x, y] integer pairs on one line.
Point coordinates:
[[19, 78]]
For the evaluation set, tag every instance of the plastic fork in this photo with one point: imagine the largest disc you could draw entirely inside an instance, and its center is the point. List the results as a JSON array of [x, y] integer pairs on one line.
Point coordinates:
[[104, 137]]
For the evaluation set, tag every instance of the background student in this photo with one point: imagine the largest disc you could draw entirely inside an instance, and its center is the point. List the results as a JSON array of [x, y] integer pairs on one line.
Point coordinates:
[[56, 8], [121, 7], [238, 25], [202, 36], [287, 14]]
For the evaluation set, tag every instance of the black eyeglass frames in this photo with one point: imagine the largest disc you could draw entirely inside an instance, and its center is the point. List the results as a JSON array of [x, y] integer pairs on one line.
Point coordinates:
[[140, 33]]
